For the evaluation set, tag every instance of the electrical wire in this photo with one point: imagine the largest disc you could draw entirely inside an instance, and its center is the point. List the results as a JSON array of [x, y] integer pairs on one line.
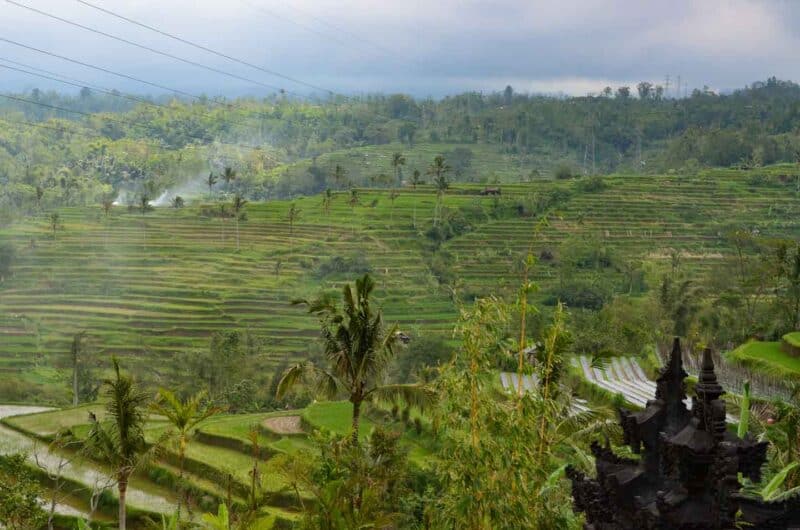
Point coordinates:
[[204, 48], [152, 50]]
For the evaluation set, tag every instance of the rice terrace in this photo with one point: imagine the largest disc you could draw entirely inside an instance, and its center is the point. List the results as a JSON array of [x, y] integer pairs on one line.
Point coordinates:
[[337, 267]]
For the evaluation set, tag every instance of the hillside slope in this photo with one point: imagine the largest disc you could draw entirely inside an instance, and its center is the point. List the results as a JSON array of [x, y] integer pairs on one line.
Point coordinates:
[[148, 286]]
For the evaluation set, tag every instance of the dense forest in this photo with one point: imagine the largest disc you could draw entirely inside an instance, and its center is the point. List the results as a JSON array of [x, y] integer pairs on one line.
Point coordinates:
[[60, 150]]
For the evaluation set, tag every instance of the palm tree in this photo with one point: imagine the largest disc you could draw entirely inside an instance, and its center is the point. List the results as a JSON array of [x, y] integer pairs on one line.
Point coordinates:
[[354, 198], [237, 206], [228, 175], [184, 416], [107, 204], [76, 351], [293, 215], [359, 348], [415, 179], [393, 194], [55, 223], [353, 202], [327, 200], [438, 170], [398, 160], [39, 196], [120, 442], [339, 174], [144, 203], [210, 181]]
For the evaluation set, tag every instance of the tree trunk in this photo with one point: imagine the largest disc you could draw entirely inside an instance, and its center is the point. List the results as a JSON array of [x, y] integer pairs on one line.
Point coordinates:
[[123, 490], [75, 384], [237, 233], [356, 420], [181, 487]]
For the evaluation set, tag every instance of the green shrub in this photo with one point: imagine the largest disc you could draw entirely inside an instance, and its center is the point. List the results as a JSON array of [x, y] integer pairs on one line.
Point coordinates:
[[592, 184], [350, 265], [564, 172], [578, 295]]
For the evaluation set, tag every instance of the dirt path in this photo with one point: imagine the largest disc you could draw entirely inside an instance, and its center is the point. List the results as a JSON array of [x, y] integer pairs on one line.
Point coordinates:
[[284, 425]]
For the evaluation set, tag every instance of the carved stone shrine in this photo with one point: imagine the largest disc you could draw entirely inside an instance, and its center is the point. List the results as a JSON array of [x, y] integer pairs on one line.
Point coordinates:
[[687, 476]]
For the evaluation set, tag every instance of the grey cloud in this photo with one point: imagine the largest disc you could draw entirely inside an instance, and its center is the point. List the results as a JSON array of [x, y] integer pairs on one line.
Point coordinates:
[[427, 48]]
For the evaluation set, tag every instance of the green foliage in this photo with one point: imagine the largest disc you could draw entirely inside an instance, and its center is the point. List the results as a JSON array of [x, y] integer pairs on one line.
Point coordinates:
[[19, 495], [501, 469], [744, 412], [358, 348], [354, 264], [591, 184], [564, 172], [579, 295]]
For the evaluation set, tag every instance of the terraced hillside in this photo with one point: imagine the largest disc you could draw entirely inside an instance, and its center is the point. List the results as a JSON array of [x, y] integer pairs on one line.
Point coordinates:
[[149, 286]]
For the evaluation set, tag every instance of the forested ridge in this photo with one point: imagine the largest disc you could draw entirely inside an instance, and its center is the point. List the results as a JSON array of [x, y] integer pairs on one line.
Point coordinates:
[[78, 148]]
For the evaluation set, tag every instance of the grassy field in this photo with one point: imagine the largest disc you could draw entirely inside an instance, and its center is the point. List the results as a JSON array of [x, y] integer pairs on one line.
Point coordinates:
[[147, 287], [767, 356]]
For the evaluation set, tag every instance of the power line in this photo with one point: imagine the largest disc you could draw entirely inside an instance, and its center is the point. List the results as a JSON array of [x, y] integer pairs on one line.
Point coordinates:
[[105, 70], [152, 50], [204, 48], [53, 128], [174, 56], [75, 84], [115, 93]]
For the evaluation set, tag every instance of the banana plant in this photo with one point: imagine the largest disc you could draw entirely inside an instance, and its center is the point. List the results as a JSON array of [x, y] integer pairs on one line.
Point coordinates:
[[744, 412], [774, 488]]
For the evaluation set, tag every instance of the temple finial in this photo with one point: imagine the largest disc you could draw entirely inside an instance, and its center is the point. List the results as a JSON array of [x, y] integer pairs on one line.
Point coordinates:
[[707, 371], [708, 388]]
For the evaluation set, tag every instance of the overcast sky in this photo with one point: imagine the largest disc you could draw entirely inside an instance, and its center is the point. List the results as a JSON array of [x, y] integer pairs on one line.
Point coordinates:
[[423, 47]]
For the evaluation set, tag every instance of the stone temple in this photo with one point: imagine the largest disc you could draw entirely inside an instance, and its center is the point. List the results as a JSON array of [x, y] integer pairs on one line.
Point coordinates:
[[687, 476]]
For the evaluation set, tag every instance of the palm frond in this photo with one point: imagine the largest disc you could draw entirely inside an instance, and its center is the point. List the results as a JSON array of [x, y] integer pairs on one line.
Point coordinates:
[[414, 395], [291, 377]]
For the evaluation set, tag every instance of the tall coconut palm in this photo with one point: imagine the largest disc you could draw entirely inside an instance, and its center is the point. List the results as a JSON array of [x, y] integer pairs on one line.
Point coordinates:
[[398, 160], [438, 170], [339, 175], [54, 220], [327, 200], [353, 201], [183, 416], [76, 352], [210, 181], [237, 207], [292, 216], [107, 204], [228, 175], [393, 194], [120, 442], [358, 348], [415, 181]]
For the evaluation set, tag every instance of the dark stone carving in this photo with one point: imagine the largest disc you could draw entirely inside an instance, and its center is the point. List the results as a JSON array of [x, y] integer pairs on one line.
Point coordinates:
[[687, 476]]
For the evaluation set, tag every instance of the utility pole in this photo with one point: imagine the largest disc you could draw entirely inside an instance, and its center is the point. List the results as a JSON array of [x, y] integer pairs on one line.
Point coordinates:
[[678, 94], [666, 86]]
